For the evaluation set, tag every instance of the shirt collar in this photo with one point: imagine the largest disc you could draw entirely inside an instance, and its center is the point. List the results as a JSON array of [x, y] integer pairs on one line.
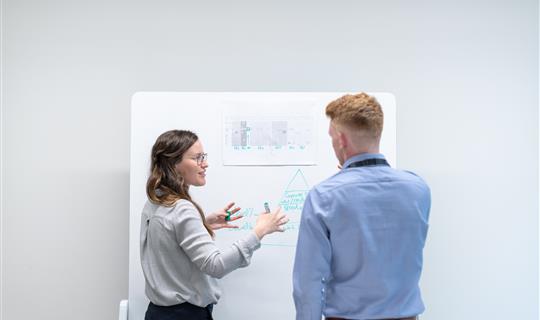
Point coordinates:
[[362, 156]]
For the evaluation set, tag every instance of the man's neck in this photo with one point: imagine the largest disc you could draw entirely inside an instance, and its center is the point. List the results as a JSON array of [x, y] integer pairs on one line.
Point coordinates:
[[351, 153]]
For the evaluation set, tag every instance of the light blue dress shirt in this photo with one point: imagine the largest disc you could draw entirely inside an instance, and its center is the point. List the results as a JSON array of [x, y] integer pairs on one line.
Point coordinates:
[[360, 243]]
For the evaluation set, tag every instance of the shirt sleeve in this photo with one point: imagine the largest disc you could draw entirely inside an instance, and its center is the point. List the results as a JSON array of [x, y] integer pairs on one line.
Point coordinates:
[[201, 249], [312, 261]]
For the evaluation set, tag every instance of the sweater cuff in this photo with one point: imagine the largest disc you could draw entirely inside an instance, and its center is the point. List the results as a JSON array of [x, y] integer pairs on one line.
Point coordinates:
[[252, 242]]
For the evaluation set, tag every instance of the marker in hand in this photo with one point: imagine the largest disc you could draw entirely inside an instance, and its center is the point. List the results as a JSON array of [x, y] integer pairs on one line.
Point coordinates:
[[268, 222], [228, 216]]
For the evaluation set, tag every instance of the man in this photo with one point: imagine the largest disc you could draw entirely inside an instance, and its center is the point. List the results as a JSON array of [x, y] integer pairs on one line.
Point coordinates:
[[362, 231]]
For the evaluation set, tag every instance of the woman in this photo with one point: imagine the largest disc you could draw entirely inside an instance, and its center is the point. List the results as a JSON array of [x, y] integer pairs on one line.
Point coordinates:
[[179, 258]]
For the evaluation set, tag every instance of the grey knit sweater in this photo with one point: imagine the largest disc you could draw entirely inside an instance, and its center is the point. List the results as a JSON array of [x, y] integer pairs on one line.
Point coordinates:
[[180, 260]]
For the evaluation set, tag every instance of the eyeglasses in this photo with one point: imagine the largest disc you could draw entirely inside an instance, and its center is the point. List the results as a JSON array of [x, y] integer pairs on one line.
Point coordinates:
[[201, 157]]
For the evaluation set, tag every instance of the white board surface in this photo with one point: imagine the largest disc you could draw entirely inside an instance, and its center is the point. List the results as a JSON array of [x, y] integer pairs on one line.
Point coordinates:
[[263, 290]]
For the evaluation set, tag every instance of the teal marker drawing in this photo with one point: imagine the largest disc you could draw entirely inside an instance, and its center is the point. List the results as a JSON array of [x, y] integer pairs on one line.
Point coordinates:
[[266, 207], [228, 216]]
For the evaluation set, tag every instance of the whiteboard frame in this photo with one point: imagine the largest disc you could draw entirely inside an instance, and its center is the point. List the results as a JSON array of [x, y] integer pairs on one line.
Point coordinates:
[[151, 115]]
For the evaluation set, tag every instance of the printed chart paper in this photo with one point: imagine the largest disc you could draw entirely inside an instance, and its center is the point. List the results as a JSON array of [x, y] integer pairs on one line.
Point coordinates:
[[282, 136]]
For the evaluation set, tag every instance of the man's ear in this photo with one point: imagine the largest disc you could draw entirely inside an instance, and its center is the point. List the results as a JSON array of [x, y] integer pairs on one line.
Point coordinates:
[[343, 140]]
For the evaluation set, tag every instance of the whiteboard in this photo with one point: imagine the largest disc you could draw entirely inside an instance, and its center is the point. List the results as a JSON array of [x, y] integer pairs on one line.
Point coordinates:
[[263, 290]]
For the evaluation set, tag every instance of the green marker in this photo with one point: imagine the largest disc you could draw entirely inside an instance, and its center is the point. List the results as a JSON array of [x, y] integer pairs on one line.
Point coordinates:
[[228, 217]]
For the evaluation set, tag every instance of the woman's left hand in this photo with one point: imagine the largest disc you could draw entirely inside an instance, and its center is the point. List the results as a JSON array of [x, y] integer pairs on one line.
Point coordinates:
[[217, 220]]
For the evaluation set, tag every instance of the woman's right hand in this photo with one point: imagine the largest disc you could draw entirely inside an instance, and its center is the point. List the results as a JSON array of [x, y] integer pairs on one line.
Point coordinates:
[[268, 223]]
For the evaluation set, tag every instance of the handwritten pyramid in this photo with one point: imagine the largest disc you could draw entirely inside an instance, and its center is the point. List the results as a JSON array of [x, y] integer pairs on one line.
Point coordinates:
[[295, 194]]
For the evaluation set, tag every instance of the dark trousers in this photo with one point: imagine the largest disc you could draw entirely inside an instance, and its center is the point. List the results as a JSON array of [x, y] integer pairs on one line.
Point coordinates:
[[183, 311]]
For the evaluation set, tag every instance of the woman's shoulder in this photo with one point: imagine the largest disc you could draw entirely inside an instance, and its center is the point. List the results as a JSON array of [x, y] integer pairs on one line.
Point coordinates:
[[182, 213], [183, 204], [183, 208], [180, 207]]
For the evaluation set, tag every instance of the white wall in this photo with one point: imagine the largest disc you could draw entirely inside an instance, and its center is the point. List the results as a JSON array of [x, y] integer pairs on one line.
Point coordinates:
[[465, 75]]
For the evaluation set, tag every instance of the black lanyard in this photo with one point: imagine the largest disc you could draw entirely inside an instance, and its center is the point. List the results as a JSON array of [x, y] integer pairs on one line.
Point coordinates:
[[369, 162]]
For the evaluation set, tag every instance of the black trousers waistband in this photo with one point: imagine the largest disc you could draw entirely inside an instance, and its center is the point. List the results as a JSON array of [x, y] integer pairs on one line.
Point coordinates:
[[408, 318], [180, 311]]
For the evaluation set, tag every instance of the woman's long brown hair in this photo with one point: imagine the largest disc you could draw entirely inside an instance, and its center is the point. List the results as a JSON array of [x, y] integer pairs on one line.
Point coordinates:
[[165, 186]]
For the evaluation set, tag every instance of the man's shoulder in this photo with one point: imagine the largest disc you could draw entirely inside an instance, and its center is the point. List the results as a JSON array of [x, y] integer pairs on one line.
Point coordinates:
[[345, 178], [412, 176], [330, 183]]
